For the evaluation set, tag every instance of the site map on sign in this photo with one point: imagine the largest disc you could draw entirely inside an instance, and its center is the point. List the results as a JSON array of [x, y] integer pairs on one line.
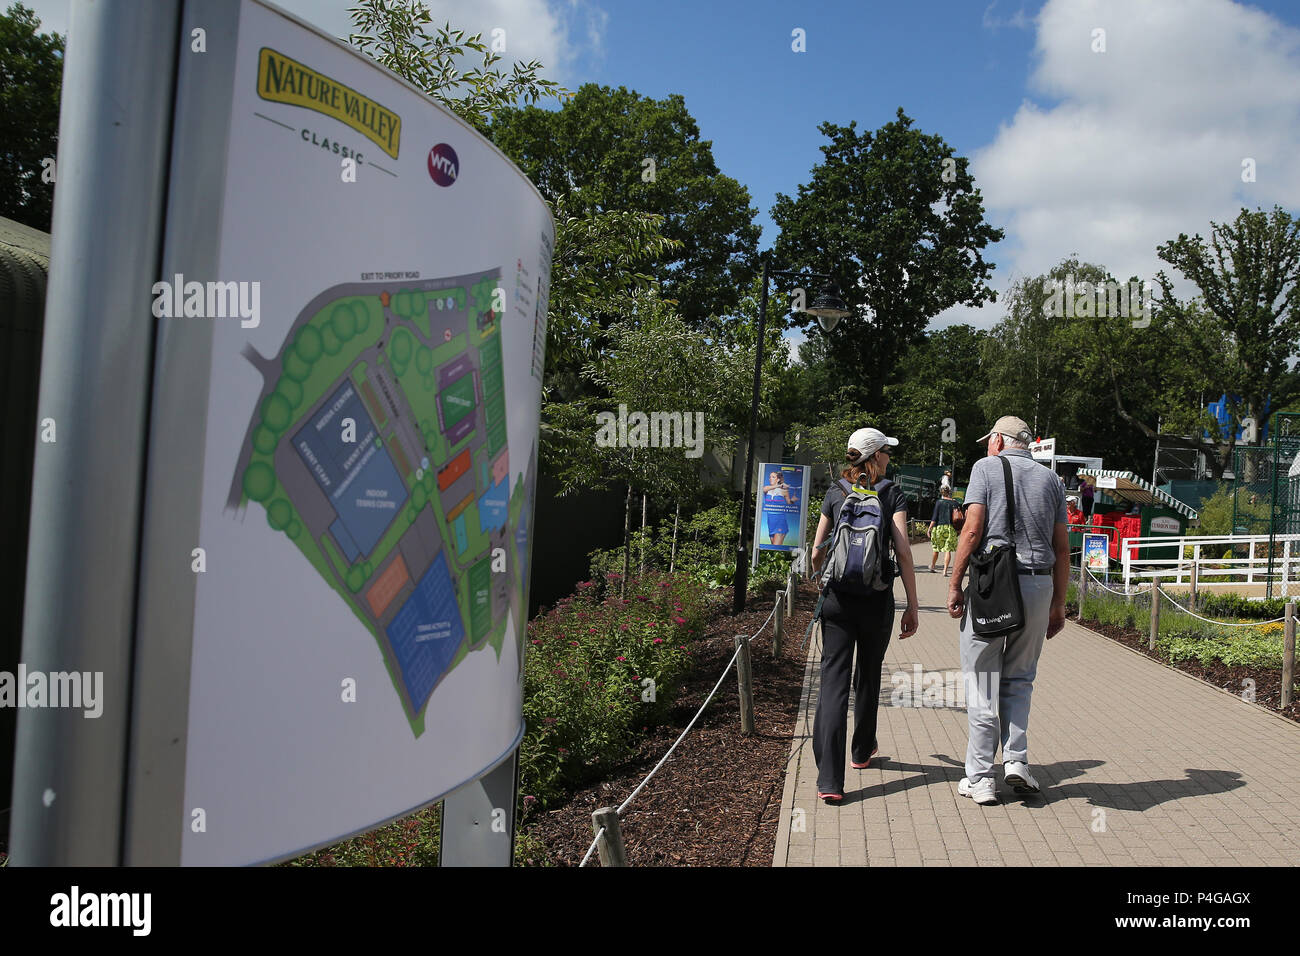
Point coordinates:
[[379, 447]]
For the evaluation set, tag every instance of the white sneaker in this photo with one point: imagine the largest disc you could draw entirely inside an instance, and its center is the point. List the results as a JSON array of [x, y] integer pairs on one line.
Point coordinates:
[[983, 791], [1018, 778]]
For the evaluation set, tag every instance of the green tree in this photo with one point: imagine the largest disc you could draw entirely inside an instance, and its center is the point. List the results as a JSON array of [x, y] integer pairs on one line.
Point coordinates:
[[895, 218], [31, 76], [1028, 355], [396, 34], [935, 404], [608, 150], [653, 362], [600, 260], [1245, 323]]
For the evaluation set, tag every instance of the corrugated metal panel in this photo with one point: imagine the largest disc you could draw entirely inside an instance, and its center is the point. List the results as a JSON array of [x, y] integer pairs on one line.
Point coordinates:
[[24, 267]]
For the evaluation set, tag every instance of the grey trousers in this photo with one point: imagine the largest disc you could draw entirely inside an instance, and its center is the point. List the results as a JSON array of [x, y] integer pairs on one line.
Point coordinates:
[[999, 676]]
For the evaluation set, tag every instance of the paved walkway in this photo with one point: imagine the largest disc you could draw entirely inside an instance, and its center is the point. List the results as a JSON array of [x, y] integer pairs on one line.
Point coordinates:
[[1140, 765]]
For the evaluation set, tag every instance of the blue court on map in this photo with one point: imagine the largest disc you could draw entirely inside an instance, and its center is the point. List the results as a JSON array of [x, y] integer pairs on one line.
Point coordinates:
[[358, 477], [462, 537], [494, 506], [426, 632]]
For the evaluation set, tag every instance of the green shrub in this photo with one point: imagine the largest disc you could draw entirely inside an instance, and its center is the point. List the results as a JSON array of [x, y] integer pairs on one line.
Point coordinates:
[[596, 671], [1230, 605]]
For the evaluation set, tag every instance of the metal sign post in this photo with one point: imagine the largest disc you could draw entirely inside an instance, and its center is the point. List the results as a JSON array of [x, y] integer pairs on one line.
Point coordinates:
[[87, 489]]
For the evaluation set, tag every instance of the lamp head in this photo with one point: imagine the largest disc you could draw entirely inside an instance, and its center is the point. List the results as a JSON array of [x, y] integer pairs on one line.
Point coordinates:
[[828, 307]]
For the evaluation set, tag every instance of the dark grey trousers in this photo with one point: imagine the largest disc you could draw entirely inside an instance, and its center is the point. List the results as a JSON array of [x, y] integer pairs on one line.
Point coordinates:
[[849, 622]]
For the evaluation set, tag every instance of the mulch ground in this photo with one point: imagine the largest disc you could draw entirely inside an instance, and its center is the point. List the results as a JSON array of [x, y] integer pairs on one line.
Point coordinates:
[[1268, 683], [717, 800]]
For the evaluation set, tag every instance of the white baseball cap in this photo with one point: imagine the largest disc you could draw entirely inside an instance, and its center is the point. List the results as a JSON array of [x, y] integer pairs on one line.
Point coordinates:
[[866, 442]]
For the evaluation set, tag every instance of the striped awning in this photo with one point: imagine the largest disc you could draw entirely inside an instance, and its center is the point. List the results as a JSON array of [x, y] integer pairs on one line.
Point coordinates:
[[1130, 487]]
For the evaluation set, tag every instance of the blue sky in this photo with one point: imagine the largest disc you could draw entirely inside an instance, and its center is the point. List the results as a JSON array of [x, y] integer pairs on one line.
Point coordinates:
[[1103, 154]]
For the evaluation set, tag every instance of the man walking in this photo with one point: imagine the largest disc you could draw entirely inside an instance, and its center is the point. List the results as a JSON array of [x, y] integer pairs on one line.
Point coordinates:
[[1000, 671]]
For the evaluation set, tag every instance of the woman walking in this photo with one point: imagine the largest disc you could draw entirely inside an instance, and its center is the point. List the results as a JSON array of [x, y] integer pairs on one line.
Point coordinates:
[[858, 622], [943, 536]]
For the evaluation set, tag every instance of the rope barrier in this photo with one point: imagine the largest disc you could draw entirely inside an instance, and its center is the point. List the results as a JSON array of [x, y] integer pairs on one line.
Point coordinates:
[[641, 785], [1220, 623], [599, 833], [1101, 585]]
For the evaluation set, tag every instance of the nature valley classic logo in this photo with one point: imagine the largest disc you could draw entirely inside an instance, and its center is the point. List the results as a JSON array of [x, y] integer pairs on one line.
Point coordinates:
[[282, 80]]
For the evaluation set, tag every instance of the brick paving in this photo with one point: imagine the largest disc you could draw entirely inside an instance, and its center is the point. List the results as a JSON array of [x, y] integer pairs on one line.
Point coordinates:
[[1140, 764]]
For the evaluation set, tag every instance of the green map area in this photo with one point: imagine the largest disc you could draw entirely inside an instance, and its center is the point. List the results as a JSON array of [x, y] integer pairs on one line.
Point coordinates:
[[379, 448]]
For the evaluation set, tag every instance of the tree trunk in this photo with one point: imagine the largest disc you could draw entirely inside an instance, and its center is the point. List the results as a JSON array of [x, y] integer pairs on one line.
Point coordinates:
[[672, 559], [643, 533], [627, 541]]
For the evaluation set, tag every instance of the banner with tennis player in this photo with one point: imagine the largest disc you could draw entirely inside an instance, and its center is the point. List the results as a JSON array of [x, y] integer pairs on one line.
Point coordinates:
[[780, 509]]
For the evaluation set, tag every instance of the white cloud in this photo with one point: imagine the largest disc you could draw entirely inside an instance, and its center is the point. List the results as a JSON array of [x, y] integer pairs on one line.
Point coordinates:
[[1132, 146]]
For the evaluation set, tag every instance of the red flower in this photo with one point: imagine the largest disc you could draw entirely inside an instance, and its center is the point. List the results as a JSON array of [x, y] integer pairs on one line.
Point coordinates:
[[573, 643], [659, 640], [680, 620], [621, 658]]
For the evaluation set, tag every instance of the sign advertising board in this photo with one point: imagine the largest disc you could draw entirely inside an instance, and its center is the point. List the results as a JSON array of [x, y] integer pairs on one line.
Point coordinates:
[[369, 452], [1105, 481], [779, 511], [1165, 525], [1095, 552], [1043, 450]]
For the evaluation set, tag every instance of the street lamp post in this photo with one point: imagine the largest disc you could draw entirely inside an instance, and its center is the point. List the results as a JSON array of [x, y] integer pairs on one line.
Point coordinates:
[[829, 308]]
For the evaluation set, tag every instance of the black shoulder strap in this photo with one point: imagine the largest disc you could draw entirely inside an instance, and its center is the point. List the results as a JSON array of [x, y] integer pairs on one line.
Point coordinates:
[[1011, 498]]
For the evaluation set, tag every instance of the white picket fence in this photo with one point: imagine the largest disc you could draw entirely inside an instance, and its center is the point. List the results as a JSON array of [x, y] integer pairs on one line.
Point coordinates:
[[1248, 566]]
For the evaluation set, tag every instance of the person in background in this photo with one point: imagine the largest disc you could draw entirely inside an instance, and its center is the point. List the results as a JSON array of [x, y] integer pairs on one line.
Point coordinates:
[[943, 536], [1086, 490], [858, 621], [945, 483], [1073, 513]]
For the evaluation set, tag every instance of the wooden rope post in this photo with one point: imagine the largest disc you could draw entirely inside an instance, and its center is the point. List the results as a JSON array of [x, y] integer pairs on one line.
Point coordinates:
[[1155, 611], [789, 594], [778, 632], [1195, 581], [745, 675], [1083, 582], [610, 843], [1288, 655]]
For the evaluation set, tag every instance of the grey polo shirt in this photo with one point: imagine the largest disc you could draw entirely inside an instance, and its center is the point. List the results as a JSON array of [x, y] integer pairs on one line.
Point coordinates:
[[1040, 505]]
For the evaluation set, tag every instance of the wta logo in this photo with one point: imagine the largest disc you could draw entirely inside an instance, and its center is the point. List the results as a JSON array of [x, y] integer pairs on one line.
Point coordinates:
[[444, 166]]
